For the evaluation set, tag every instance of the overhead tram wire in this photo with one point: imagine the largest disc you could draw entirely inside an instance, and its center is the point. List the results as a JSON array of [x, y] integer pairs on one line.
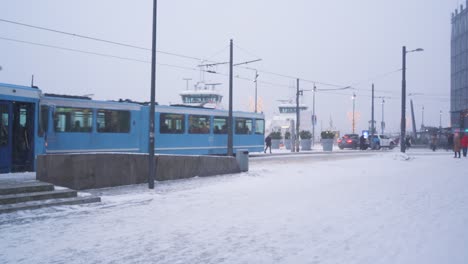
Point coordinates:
[[143, 48], [74, 50], [98, 39], [128, 59], [340, 87]]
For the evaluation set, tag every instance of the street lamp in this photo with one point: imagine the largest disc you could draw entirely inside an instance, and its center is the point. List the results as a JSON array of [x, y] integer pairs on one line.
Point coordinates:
[[403, 99], [314, 119], [256, 76], [382, 124], [354, 100], [440, 119]]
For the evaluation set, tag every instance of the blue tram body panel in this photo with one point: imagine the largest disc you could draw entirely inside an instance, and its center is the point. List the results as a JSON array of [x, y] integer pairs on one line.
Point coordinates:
[[34, 123]]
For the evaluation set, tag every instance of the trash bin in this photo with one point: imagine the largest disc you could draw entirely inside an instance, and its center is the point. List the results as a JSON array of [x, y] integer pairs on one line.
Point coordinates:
[[242, 157]]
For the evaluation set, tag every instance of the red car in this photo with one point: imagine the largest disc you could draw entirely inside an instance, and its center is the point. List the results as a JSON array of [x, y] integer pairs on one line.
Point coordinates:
[[349, 141]]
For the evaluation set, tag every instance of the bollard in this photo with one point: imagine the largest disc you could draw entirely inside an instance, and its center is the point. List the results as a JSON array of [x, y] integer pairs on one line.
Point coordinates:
[[242, 157]]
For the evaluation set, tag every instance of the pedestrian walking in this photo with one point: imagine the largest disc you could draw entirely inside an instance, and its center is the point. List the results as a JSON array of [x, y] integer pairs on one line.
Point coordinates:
[[408, 142], [267, 143], [450, 141], [456, 145], [464, 143]]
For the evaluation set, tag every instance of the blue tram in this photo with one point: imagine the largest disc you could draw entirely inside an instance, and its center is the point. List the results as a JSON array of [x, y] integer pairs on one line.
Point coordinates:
[[34, 123]]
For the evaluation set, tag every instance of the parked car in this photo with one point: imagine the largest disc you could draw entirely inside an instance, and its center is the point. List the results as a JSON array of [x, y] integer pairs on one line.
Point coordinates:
[[383, 141], [349, 141]]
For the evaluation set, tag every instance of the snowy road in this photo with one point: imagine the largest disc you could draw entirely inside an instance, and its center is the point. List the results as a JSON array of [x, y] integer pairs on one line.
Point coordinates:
[[310, 209]]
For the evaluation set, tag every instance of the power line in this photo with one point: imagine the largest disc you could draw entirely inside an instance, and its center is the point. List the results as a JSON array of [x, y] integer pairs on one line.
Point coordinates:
[[246, 51], [97, 39], [147, 49], [74, 50], [127, 58]]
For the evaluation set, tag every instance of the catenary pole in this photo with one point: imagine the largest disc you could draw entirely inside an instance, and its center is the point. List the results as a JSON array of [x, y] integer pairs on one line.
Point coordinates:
[[314, 118], [152, 165], [230, 130], [256, 76], [372, 110], [296, 139], [403, 102]]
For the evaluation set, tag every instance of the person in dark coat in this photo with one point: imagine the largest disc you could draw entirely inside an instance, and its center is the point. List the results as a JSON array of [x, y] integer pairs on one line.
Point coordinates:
[[456, 145], [450, 141], [434, 142], [362, 142], [267, 143]]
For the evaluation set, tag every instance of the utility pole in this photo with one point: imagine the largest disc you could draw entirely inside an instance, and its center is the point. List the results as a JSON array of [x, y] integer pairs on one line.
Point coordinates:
[[440, 119], [403, 103], [354, 99], [403, 98], [296, 140], [314, 118], [372, 111], [230, 134], [152, 165], [382, 124], [413, 119], [256, 76], [422, 120]]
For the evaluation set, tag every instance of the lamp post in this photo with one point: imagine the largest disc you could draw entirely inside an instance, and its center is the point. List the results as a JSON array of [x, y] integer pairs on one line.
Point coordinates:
[[382, 124], [422, 120], [354, 100], [314, 119], [403, 99], [440, 119], [256, 76]]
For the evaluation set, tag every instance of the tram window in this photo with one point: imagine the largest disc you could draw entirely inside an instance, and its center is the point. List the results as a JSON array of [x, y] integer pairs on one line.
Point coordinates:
[[220, 125], [171, 124], [43, 120], [259, 126], [113, 121], [243, 126], [67, 119], [199, 124], [4, 125]]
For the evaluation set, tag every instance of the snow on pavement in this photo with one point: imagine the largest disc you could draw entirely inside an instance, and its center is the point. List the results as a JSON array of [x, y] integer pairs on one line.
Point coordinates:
[[310, 209]]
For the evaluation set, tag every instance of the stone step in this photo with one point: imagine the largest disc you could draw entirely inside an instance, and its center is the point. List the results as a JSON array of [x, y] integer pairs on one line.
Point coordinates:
[[25, 197], [25, 187], [7, 208]]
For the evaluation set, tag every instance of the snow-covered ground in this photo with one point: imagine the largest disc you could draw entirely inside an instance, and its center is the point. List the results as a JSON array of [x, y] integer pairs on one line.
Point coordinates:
[[381, 208]]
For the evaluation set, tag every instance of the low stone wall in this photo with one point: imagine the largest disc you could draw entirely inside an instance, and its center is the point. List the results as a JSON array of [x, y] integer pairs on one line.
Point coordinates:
[[99, 170]]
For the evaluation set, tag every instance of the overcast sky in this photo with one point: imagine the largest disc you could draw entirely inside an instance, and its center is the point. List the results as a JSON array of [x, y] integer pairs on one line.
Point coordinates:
[[338, 42]]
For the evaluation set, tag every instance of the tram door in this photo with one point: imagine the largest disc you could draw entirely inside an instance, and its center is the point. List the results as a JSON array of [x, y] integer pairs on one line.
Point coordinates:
[[23, 137], [5, 136]]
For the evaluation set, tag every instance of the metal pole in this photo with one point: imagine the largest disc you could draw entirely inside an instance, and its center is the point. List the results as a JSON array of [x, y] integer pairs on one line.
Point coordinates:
[[403, 103], [152, 165], [422, 121], [354, 99], [296, 140], [382, 125], [313, 117], [440, 119], [256, 76], [230, 130], [413, 119], [372, 111]]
